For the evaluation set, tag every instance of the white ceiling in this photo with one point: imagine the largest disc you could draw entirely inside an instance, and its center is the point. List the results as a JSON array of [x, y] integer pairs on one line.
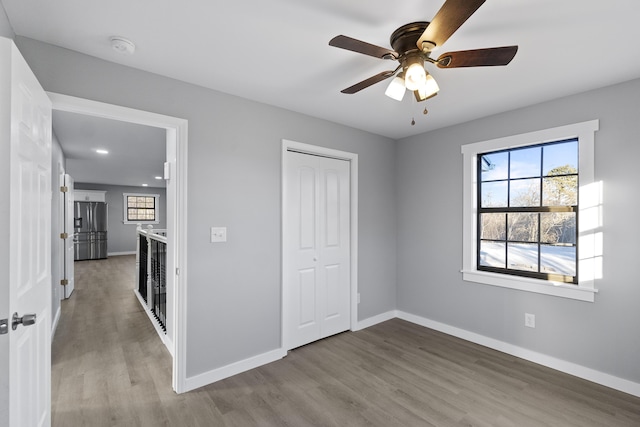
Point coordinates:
[[277, 52], [136, 153]]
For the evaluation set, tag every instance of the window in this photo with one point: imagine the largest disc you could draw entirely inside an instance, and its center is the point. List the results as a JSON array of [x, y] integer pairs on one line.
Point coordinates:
[[141, 208], [531, 212], [527, 211]]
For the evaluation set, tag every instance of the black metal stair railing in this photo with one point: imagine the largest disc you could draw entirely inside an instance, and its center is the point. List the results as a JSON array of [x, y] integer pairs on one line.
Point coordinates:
[[143, 274], [151, 270], [158, 281]]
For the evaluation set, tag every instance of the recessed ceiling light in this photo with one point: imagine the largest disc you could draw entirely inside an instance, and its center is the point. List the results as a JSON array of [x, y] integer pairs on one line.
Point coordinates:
[[145, 185], [122, 45], [158, 177], [101, 151]]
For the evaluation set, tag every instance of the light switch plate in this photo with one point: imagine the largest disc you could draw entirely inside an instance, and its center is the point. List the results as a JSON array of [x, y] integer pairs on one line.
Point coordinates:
[[218, 234]]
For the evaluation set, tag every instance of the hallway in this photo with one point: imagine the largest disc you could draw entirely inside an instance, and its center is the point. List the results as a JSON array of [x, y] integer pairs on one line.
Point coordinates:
[[108, 365]]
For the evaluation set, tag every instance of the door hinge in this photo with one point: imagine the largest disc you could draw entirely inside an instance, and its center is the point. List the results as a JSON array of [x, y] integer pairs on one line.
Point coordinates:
[[64, 189], [177, 271], [64, 282], [64, 235]]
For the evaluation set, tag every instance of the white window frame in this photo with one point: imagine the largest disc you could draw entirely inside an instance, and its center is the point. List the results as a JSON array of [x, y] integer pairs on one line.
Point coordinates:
[[589, 245], [125, 213]]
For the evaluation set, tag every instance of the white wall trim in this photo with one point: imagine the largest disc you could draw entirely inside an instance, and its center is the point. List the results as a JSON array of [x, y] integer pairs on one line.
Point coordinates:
[[209, 377], [570, 368], [121, 253], [177, 139], [54, 324], [374, 320], [353, 160]]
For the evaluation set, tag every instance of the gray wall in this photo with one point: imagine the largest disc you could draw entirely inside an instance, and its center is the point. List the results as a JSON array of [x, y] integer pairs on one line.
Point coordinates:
[[234, 181], [601, 335], [5, 27], [122, 237]]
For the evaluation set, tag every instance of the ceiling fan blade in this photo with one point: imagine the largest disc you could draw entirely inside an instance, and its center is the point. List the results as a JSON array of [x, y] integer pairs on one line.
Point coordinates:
[[368, 82], [449, 18], [359, 46], [477, 57]]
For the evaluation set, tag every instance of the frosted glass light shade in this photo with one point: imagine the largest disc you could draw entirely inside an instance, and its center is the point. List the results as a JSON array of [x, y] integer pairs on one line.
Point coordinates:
[[396, 89], [415, 76], [428, 89]]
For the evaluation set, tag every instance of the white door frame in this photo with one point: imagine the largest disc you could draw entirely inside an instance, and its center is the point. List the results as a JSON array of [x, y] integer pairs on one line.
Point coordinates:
[[176, 212], [352, 158]]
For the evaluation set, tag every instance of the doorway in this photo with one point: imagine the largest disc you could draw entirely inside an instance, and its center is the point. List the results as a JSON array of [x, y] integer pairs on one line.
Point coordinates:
[[319, 243], [176, 174]]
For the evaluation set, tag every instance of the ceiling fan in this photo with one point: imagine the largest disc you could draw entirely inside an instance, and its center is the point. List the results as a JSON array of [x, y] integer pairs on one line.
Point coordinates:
[[412, 46]]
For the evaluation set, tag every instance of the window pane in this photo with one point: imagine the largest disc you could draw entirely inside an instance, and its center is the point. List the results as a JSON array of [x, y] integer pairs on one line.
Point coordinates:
[[558, 228], [525, 163], [494, 166], [560, 191], [492, 254], [493, 226], [560, 157], [525, 192], [522, 256], [558, 260], [523, 227], [494, 194]]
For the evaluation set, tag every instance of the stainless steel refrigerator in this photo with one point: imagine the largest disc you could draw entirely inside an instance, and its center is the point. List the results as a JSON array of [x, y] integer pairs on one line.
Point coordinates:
[[90, 230]]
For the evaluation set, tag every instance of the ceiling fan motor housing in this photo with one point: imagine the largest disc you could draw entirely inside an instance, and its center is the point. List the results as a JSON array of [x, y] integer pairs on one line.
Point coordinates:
[[404, 39]]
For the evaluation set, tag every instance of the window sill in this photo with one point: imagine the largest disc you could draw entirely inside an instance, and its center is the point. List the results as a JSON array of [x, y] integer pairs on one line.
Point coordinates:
[[531, 285], [142, 223]]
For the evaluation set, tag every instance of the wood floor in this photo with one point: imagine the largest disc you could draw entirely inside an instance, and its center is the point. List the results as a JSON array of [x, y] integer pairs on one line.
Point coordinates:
[[110, 369]]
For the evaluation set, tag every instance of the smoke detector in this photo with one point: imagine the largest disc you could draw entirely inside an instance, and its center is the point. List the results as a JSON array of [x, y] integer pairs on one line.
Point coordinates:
[[122, 45]]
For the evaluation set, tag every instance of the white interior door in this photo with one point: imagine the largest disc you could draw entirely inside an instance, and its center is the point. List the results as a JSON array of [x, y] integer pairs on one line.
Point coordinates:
[[316, 225], [28, 190], [69, 232]]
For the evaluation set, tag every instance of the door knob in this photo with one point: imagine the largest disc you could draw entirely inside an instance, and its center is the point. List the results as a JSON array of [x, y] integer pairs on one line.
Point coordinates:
[[26, 320]]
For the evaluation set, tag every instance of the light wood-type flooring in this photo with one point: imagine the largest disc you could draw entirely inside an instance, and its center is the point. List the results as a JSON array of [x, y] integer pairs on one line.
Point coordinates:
[[110, 369]]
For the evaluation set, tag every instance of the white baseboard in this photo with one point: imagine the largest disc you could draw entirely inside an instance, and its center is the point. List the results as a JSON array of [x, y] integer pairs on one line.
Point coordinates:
[[121, 253], [200, 380], [54, 324], [574, 369], [366, 323]]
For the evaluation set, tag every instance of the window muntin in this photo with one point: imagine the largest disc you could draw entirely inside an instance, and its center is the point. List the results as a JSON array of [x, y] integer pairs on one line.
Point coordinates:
[[141, 208], [528, 211]]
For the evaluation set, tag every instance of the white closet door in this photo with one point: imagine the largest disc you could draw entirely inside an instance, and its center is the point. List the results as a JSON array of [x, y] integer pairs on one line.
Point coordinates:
[[316, 248]]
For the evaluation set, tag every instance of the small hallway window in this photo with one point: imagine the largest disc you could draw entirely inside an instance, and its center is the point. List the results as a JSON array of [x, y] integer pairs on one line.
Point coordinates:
[[141, 208]]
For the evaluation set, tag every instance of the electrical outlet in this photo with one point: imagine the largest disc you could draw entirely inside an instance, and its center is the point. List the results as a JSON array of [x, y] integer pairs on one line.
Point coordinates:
[[529, 320]]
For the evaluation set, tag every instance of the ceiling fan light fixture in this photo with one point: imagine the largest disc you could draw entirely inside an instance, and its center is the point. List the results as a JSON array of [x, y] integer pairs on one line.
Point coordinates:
[[415, 76], [429, 88], [396, 88]]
